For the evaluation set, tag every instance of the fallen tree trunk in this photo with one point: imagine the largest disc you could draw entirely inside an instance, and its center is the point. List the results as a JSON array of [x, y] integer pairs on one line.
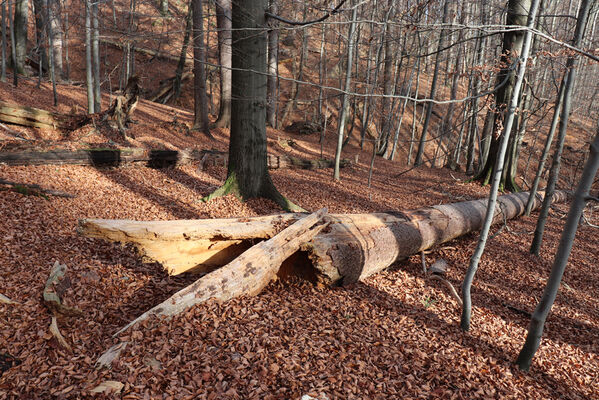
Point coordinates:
[[151, 158], [247, 275], [166, 90], [354, 246], [35, 117]]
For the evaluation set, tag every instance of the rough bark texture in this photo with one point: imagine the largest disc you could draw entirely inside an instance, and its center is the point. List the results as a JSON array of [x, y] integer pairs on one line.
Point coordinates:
[[518, 11], [200, 120], [20, 34], [353, 247], [224, 25]]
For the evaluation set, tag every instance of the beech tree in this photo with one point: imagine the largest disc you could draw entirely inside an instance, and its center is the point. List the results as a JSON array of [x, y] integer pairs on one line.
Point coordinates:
[[247, 172], [223, 25], [200, 120]]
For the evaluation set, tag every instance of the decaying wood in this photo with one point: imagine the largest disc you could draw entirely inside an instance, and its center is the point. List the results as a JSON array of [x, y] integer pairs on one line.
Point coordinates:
[[123, 105], [354, 246], [35, 117], [103, 157], [6, 300], [246, 275], [166, 90], [149, 52], [110, 355], [150, 158], [56, 285], [36, 189]]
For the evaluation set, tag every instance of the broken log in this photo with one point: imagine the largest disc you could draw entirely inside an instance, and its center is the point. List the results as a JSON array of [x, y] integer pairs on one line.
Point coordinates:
[[151, 158], [33, 189], [354, 246], [247, 275], [35, 117], [166, 89]]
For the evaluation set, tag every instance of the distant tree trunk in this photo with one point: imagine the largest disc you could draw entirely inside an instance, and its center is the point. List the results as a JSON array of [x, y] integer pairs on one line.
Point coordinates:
[[247, 175], [200, 120], [571, 66], [96, 59], [3, 44], [547, 147], [88, 58], [67, 69], [20, 33], [13, 48], [50, 45], [429, 109], [40, 29], [496, 178], [223, 25], [163, 7], [273, 68], [387, 83], [183, 55], [537, 322], [512, 47], [54, 12], [344, 101]]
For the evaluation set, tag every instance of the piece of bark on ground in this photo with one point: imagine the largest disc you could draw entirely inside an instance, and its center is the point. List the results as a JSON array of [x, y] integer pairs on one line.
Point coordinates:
[[56, 285]]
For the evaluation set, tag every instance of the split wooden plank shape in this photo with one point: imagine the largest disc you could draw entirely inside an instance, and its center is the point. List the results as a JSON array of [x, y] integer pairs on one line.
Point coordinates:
[[354, 247], [248, 274]]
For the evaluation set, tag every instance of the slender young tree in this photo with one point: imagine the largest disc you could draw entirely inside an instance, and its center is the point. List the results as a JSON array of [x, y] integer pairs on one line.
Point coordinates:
[[96, 58], [581, 197], [3, 43], [492, 202], [89, 76], [223, 25], [429, 108], [183, 55], [571, 65], [344, 101], [247, 175], [273, 68], [200, 120], [54, 12]]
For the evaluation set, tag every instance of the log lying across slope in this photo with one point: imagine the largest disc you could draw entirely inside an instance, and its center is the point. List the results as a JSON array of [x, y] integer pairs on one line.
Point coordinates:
[[151, 158], [353, 247]]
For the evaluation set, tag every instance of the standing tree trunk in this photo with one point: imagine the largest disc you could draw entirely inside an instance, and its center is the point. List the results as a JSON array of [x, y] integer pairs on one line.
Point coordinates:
[[89, 76], [582, 195], [20, 35], [512, 47], [223, 25], [200, 120], [163, 7], [273, 69], [96, 59], [429, 109], [344, 101], [547, 147], [54, 11], [509, 120], [3, 44], [183, 55], [247, 174], [571, 65]]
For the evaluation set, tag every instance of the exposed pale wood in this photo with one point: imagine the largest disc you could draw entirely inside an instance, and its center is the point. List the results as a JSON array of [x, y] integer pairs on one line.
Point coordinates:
[[56, 284], [184, 245], [353, 248], [247, 275], [56, 333], [6, 300], [110, 355], [35, 117]]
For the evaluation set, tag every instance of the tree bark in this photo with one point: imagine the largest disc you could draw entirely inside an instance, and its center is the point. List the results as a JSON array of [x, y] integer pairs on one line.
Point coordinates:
[[200, 120], [96, 59], [89, 75], [224, 25], [344, 101], [247, 175], [3, 43], [517, 15], [571, 66], [537, 322], [54, 11], [273, 69], [182, 57], [20, 35], [498, 167], [429, 108]]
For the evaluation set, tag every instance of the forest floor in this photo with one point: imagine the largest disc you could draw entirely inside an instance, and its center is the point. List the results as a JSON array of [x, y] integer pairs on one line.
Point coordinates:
[[395, 335]]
